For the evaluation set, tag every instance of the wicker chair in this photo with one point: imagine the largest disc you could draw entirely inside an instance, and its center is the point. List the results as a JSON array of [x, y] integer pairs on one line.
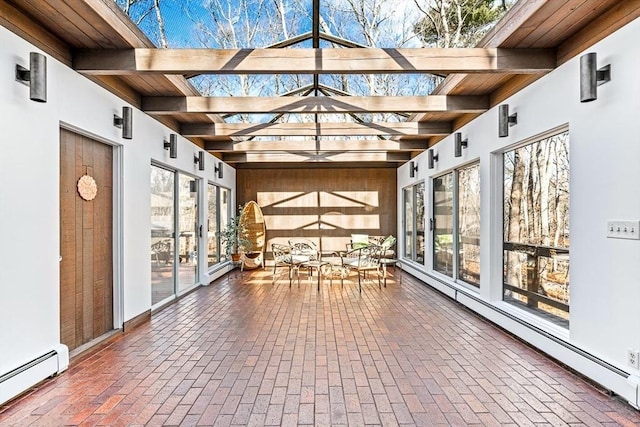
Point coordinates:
[[253, 230]]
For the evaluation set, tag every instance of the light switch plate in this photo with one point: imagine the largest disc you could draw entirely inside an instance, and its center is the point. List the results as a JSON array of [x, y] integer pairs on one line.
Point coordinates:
[[623, 229]]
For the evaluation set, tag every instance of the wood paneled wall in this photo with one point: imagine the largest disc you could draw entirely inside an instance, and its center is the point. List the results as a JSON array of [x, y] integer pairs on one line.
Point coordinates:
[[323, 205]]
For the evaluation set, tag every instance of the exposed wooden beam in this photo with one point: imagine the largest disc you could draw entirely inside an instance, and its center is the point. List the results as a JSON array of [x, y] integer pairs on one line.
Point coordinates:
[[313, 61], [315, 157], [312, 145], [313, 129], [311, 104], [290, 41], [340, 41]]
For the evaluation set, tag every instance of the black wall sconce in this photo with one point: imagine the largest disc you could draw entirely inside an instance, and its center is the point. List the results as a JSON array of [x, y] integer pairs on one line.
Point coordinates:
[[125, 122], [193, 187], [172, 145], [413, 168], [505, 121], [459, 144], [431, 158], [218, 170], [199, 160], [591, 76], [35, 77]]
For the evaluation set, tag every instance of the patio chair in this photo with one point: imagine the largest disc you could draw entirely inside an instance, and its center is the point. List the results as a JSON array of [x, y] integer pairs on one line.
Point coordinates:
[[306, 250], [363, 260], [305, 247], [283, 257]]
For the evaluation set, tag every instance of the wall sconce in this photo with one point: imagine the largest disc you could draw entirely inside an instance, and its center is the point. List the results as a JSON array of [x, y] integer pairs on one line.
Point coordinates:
[[218, 170], [35, 77], [413, 168], [193, 187], [125, 122], [459, 144], [591, 77], [431, 158], [505, 121], [172, 145], [199, 160]]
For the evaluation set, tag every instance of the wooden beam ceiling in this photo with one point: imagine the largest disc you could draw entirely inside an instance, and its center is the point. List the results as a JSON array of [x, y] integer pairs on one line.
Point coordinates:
[[315, 129], [313, 61], [321, 104], [99, 40]]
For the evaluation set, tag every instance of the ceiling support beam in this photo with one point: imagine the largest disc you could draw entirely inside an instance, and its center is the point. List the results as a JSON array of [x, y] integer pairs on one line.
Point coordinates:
[[312, 129], [312, 145], [321, 104], [314, 61], [316, 157]]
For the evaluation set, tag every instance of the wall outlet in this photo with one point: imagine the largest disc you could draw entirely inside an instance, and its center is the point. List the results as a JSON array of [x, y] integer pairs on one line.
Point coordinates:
[[623, 229], [633, 358]]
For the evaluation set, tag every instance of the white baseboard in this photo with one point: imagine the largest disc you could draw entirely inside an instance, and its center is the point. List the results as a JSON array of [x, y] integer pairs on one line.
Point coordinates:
[[22, 378], [624, 384]]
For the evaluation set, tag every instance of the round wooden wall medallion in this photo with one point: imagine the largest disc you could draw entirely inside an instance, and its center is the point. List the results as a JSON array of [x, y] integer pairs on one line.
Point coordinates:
[[87, 187]]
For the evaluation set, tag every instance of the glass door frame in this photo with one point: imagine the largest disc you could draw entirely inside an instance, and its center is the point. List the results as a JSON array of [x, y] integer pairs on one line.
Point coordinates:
[[411, 241], [197, 231], [174, 268]]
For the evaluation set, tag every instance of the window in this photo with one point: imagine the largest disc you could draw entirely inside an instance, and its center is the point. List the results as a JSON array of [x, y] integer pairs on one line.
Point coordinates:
[[456, 224], [413, 224], [443, 224], [536, 227], [469, 224]]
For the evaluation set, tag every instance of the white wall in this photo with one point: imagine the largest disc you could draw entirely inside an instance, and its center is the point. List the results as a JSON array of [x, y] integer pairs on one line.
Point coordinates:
[[605, 185], [29, 197]]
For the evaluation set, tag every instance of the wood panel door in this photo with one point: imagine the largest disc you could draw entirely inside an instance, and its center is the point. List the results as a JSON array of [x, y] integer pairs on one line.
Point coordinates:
[[86, 240]]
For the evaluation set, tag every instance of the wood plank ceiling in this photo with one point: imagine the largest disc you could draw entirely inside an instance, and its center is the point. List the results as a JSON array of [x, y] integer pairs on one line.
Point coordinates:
[[98, 40]]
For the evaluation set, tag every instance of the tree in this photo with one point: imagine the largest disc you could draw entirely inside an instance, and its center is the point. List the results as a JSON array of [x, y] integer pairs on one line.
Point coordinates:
[[147, 15], [457, 23]]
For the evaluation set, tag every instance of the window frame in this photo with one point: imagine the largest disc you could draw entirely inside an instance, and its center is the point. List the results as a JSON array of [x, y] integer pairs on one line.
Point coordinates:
[[500, 206], [455, 224]]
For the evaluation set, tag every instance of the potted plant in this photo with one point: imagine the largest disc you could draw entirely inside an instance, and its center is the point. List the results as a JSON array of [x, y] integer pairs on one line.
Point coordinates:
[[232, 237]]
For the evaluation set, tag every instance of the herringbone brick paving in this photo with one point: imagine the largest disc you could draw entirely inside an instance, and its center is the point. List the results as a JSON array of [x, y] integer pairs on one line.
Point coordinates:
[[244, 351]]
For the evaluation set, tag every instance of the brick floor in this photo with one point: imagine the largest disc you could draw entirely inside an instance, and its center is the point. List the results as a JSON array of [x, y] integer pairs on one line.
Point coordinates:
[[244, 351]]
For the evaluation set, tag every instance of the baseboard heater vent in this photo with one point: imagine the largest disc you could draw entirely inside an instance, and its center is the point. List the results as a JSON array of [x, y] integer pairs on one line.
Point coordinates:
[[20, 379]]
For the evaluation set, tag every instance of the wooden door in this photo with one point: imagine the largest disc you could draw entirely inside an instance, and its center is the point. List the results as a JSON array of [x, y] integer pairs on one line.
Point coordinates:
[[86, 240]]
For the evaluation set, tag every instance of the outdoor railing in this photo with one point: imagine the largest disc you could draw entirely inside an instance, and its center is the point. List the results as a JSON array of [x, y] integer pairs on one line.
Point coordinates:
[[533, 284]]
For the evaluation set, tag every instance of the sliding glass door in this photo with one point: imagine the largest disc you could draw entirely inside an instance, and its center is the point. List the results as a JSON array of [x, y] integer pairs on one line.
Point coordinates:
[[174, 233], [413, 223], [162, 234], [213, 249], [188, 228], [456, 224]]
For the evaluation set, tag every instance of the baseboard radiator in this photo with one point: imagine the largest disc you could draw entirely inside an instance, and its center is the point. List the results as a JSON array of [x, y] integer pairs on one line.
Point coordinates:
[[621, 382], [22, 378]]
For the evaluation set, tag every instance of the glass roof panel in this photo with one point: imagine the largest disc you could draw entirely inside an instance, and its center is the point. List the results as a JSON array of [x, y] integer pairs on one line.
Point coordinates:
[[235, 24]]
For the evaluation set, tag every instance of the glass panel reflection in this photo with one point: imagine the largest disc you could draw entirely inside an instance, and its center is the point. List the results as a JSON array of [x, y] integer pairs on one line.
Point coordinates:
[[443, 230], [469, 224], [162, 234], [212, 229], [188, 237]]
